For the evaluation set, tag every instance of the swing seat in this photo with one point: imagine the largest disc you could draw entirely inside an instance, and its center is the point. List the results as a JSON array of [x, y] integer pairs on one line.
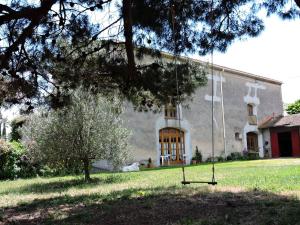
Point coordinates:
[[199, 182]]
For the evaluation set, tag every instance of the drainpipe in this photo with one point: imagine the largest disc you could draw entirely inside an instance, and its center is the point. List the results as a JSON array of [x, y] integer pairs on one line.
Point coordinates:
[[223, 114]]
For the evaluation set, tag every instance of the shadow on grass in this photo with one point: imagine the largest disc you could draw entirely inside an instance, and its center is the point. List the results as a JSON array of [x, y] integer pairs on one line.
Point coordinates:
[[63, 185], [172, 206], [179, 166]]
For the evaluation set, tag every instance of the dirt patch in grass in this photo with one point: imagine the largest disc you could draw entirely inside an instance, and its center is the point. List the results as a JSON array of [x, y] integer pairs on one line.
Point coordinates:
[[173, 206]]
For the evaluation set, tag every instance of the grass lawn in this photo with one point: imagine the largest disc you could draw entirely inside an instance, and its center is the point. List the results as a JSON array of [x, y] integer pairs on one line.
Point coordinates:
[[248, 192]]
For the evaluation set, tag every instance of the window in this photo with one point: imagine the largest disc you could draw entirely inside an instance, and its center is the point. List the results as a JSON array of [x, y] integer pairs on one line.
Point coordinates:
[[237, 136], [170, 111], [250, 110], [252, 119]]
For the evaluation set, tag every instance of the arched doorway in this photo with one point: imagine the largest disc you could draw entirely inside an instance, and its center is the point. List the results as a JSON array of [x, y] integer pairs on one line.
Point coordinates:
[[171, 146], [252, 142]]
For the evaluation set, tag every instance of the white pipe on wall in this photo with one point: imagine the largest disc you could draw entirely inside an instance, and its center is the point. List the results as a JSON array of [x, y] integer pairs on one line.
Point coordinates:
[[223, 114]]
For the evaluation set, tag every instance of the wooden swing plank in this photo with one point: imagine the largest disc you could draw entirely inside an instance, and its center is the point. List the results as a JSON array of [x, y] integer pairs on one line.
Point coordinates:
[[199, 182]]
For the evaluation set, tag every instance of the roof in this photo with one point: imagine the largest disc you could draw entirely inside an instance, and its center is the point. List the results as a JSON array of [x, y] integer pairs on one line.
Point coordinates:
[[225, 69], [281, 121]]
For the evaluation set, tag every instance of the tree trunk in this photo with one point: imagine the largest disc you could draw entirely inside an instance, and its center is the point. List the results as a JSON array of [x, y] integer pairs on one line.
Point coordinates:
[[127, 17], [86, 165]]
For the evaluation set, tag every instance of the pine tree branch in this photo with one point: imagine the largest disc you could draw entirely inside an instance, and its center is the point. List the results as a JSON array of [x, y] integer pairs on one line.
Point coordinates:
[[26, 13], [34, 15]]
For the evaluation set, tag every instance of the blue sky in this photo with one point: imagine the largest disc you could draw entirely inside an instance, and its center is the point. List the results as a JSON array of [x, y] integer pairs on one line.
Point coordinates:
[[274, 54]]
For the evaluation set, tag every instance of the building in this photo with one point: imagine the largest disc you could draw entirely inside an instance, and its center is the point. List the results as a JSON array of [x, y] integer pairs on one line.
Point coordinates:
[[241, 100], [283, 132]]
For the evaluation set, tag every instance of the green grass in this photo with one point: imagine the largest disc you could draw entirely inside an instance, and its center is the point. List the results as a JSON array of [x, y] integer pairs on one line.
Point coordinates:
[[270, 189]]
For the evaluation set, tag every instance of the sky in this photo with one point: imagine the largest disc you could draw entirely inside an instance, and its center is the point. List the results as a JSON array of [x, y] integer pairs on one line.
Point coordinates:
[[274, 54]]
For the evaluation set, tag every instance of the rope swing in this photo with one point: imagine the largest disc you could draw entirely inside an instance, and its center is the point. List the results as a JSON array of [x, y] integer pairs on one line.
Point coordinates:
[[178, 102]]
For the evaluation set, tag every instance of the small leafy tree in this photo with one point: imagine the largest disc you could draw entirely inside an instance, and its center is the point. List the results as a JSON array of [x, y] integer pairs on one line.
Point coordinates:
[[198, 155], [2, 127], [89, 129], [15, 125], [294, 108]]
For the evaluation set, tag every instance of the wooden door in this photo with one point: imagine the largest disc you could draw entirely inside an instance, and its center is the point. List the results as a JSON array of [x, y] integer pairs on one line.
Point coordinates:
[[171, 143], [274, 144], [295, 142], [252, 142]]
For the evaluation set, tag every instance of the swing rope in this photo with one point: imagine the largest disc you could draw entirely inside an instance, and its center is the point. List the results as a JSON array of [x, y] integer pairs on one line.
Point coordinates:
[[178, 101], [212, 100], [182, 152]]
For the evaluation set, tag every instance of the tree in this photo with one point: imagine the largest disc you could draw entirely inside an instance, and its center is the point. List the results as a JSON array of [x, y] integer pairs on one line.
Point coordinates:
[[3, 127], [294, 108], [16, 124], [89, 129], [30, 34]]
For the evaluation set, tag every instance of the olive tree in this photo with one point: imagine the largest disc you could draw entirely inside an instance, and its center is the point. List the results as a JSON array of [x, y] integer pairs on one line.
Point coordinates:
[[89, 129]]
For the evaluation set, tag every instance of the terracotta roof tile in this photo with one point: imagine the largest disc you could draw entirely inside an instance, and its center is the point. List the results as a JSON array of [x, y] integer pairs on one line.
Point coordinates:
[[291, 121], [281, 121]]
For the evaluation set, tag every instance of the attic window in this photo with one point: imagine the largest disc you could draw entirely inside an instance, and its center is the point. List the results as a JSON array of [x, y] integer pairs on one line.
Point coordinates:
[[170, 111], [250, 109], [237, 136]]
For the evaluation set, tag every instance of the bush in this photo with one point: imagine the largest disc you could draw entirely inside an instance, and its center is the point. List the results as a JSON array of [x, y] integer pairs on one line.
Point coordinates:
[[210, 159], [220, 159], [217, 159], [198, 155], [7, 165], [246, 156], [252, 156], [10, 156], [235, 156], [14, 163]]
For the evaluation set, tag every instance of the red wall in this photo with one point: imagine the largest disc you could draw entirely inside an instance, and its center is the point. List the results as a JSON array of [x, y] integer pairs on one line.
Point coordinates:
[[295, 142]]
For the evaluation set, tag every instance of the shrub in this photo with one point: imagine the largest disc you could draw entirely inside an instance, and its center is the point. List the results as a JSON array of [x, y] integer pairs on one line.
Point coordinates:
[[220, 159], [229, 158], [14, 163], [10, 158], [7, 165], [26, 168], [235, 156], [198, 155], [252, 156], [210, 159]]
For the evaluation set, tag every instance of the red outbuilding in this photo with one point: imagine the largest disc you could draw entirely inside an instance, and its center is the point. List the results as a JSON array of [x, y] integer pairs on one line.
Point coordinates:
[[284, 135]]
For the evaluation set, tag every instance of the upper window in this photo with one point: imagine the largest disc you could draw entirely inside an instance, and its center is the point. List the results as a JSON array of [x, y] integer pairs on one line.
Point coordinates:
[[170, 111], [237, 136], [250, 109]]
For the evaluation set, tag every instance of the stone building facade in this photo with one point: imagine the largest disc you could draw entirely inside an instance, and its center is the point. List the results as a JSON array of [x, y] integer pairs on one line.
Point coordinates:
[[241, 100]]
